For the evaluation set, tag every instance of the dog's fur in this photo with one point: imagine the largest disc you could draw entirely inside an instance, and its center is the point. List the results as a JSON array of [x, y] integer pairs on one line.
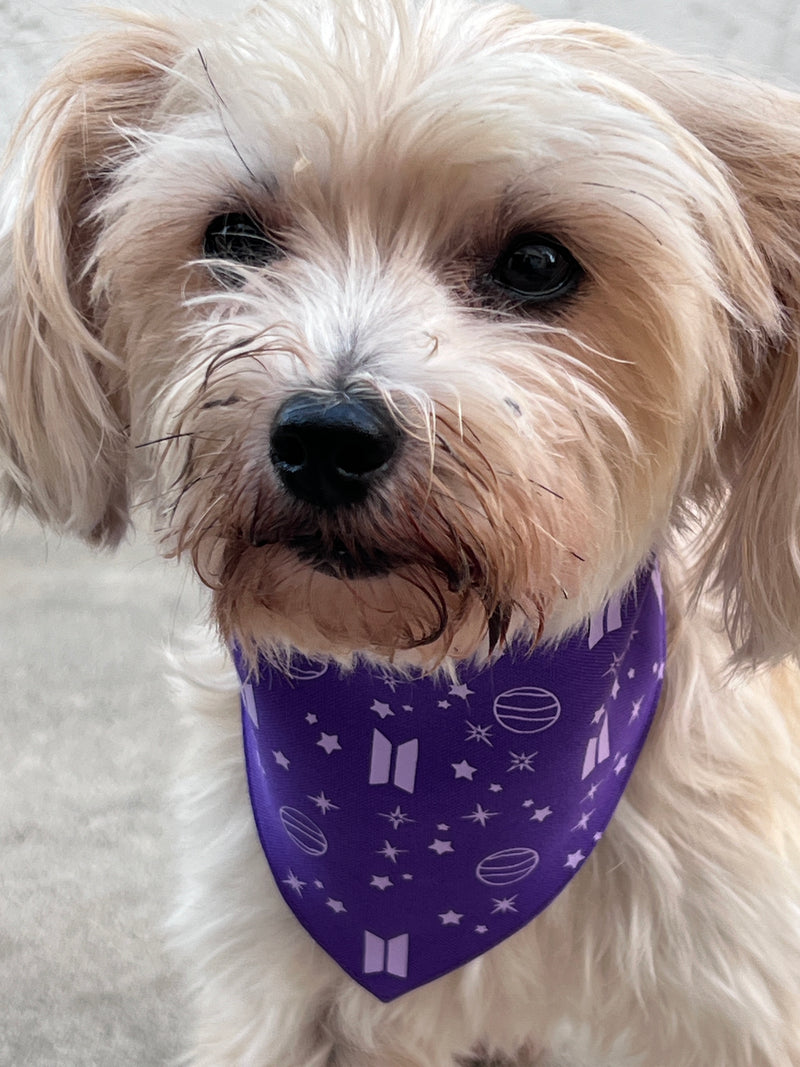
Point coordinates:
[[393, 151]]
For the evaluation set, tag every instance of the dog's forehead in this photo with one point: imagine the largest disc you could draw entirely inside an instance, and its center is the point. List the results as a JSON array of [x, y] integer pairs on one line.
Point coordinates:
[[385, 88]]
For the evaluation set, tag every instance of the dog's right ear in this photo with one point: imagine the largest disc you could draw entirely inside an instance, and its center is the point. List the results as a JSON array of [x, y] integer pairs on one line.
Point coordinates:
[[63, 396]]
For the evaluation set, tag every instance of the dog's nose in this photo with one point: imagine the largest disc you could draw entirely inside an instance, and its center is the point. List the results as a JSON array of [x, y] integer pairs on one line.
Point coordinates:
[[330, 450]]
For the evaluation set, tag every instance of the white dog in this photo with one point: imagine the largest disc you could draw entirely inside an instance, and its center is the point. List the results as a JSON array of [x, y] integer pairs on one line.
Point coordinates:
[[423, 330]]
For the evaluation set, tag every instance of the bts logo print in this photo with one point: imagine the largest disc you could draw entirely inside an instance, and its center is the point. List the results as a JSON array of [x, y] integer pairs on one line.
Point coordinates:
[[409, 844], [405, 768], [390, 956]]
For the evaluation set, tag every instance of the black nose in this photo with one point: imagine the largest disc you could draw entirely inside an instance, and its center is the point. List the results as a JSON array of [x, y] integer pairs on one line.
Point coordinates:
[[330, 450]]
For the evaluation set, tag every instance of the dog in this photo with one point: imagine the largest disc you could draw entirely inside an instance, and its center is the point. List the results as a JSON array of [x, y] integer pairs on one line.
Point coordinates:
[[438, 338]]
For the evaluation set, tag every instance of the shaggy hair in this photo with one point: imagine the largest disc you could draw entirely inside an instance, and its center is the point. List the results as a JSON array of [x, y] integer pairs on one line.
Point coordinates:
[[388, 152]]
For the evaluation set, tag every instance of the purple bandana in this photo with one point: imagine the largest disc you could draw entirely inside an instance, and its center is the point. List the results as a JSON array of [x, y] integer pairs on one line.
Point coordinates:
[[413, 824]]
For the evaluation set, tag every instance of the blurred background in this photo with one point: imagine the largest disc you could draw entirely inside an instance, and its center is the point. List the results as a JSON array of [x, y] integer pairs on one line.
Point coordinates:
[[87, 733]]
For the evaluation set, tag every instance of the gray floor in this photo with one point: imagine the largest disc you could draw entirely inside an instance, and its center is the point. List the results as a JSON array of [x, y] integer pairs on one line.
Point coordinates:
[[87, 734]]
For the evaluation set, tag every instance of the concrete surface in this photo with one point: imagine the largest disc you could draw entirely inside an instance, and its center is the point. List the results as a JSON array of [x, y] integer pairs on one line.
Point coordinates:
[[87, 733]]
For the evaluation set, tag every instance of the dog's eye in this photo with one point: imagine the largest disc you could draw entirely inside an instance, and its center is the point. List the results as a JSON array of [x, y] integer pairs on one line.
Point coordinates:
[[239, 238], [536, 268]]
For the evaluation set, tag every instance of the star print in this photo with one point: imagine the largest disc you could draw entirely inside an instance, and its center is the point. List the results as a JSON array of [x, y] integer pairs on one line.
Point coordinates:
[[443, 704], [522, 762], [281, 760], [381, 882], [408, 707], [598, 715], [597, 837], [390, 852], [311, 718], [335, 905], [592, 792], [451, 918], [495, 788], [574, 859], [481, 929], [318, 884], [440, 847], [294, 883], [620, 765], [632, 673], [505, 905], [442, 826], [382, 709], [396, 817], [478, 733], [583, 822], [407, 877], [463, 770], [323, 804], [480, 815], [462, 691], [541, 814], [527, 803], [615, 690], [636, 708], [330, 742]]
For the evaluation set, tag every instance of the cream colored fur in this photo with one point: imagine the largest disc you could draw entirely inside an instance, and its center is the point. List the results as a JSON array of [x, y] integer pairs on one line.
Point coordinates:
[[392, 150]]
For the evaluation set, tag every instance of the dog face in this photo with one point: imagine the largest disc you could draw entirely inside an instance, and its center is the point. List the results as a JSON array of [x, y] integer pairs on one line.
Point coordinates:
[[414, 327]]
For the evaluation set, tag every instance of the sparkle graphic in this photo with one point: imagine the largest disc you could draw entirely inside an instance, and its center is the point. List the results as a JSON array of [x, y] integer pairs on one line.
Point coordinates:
[[479, 733], [504, 905], [540, 814], [440, 847], [522, 762], [382, 709], [462, 691], [615, 690], [335, 905], [294, 883], [480, 815], [396, 817], [389, 852], [592, 792], [451, 918], [311, 718], [463, 770], [583, 822], [381, 881], [574, 859], [635, 709], [281, 760], [322, 802], [621, 764], [330, 742]]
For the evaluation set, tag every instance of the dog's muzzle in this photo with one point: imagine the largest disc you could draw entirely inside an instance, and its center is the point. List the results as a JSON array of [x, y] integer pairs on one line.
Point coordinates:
[[331, 450]]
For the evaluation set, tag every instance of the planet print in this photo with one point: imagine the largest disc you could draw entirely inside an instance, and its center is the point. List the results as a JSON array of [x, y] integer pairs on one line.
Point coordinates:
[[527, 710], [303, 832], [305, 670], [507, 867]]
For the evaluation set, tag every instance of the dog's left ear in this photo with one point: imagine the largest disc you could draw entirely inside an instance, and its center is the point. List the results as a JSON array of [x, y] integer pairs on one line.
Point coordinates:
[[750, 555], [63, 441]]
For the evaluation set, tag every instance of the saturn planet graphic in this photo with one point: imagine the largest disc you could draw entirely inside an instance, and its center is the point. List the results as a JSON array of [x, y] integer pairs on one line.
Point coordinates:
[[303, 832], [507, 867], [527, 710]]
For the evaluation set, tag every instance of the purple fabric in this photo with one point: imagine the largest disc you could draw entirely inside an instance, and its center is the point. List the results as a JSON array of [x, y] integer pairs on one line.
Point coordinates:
[[412, 825]]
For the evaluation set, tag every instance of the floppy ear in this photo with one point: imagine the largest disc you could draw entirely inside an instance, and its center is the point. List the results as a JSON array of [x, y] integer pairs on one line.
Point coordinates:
[[749, 547], [63, 441]]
